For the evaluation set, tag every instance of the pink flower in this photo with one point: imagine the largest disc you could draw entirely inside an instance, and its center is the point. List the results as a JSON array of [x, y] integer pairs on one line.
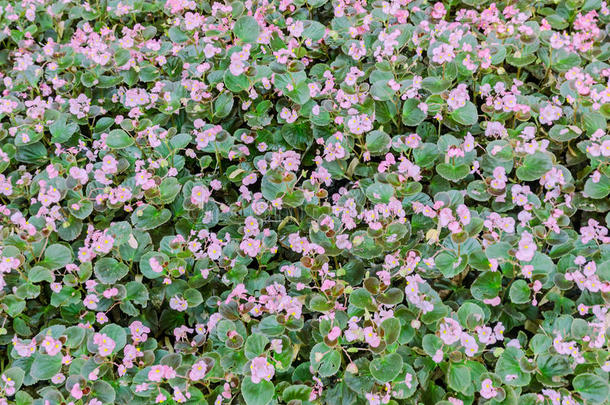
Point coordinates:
[[527, 247], [91, 301], [105, 345], [443, 53], [549, 113], [51, 346], [155, 265], [371, 337], [198, 370], [249, 179], [178, 303], [334, 333], [276, 345], [458, 97], [487, 389], [261, 369], [463, 214], [438, 356], [25, 350], [250, 246], [450, 331], [200, 195], [76, 391]]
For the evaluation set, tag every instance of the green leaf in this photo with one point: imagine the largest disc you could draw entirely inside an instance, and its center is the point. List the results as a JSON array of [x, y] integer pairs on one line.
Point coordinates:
[[562, 133], [391, 330], [431, 344], [236, 83], [360, 298], [458, 378], [44, 366], [591, 387], [109, 270], [551, 365], [435, 85], [85, 207], [296, 392], [148, 217], [451, 172], [466, 115], [169, 189], [380, 192], [487, 285], [121, 57], [534, 166], [14, 305], [223, 105], [104, 392], [57, 256], [449, 264], [137, 293], [177, 35], [324, 360], [257, 394], [60, 131], [39, 273], [247, 29], [255, 345], [378, 142], [519, 292], [386, 368], [119, 139], [470, 315], [313, 30], [297, 135], [508, 364], [411, 114], [598, 190]]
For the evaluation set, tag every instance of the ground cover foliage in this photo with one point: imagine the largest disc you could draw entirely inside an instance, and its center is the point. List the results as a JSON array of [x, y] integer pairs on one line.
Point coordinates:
[[304, 202]]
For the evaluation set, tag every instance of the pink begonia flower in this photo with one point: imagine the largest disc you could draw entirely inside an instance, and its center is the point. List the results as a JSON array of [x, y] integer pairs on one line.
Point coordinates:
[[160, 372], [334, 333], [178, 303], [487, 389], [200, 195], [25, 350], [76, 391], [198, 370], [155, 265], [450, 331], [51, 346], [527, 247], [261, 369], [90, 301], [438, 356], [443, 53], [371, 337], [250, 246], [276, 345], [105, 345], [550, 113]]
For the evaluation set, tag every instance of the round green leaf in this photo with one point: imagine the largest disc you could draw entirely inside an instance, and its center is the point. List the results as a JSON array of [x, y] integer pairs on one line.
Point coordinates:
[[519, 292], [247, 29], [109, 270], [386, 368], [466, 115], [591, 387], [119, 139], [257, 394]]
